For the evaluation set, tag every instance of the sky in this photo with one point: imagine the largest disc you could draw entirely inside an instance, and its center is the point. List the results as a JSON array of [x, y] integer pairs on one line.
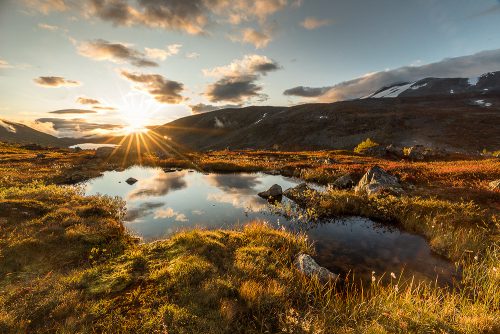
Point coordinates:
[[92, 67]]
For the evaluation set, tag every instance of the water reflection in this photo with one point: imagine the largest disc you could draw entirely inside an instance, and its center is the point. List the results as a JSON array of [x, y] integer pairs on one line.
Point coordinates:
[[162, 203]]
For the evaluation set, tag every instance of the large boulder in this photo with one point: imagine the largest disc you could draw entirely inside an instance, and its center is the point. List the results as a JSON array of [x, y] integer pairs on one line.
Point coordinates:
[[104, 152], [422, 153], [306, 264], [395, 152], [131, 180], [274, 192], [495, 185], [344, 182], [301, 194], [377, 181]]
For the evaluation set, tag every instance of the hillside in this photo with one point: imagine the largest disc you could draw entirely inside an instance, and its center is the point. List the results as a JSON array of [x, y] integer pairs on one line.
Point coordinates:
[[462, 122], [21, 134]]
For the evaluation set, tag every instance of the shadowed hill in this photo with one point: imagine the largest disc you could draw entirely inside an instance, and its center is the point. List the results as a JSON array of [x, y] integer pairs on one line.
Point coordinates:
[[19, 133], [465, 122]]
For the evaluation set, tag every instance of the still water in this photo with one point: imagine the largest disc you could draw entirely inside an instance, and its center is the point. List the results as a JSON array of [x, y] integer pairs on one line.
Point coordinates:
[[164, 202]]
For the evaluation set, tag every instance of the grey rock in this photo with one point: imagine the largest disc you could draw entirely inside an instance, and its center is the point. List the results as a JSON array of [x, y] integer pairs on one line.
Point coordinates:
[[131, 180], [395, 151], [301, 193], [273, 192], [306, 264], [344, 182], [377, 181]]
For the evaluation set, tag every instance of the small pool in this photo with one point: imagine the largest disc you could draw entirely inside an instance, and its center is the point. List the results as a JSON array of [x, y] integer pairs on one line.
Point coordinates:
[[162, 202]]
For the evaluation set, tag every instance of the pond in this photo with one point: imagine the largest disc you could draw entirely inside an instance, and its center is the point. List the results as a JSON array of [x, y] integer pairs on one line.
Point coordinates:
[[162, 202], [92, 146]]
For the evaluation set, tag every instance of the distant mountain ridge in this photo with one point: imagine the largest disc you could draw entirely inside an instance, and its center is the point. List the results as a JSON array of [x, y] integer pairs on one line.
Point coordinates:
[[22, 134], [484, 84]]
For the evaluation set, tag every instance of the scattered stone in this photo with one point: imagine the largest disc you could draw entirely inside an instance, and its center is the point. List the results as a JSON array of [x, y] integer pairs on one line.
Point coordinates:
[[422, 153], [495, 185], [40, 156], [393, 151], [131, 180], [170, 170], [301, 194], [306, 265], [104, 152], [377, 181], [273, 192], [344, 182], [374, 151]]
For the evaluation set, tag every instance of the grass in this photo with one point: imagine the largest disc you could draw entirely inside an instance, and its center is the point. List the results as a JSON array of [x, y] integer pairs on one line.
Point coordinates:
[[67, 265]]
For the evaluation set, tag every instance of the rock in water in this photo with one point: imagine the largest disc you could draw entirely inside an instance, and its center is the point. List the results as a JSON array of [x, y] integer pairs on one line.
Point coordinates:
[[495, 185], [274, 192], [344, 182], [377, 181], [104, 152], [131, 180], [306, 264]]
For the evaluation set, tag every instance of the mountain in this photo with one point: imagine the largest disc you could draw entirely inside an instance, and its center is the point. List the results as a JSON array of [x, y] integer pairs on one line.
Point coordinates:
[[484, 84], [460, 122], [22, 134]]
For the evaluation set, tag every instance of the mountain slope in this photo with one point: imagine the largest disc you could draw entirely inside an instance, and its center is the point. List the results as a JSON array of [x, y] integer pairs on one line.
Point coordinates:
[[22, 134], [457, 122]]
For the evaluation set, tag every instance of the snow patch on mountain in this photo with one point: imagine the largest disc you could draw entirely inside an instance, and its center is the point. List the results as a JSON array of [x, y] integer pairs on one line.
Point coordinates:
[[8, 127], [394, 91]]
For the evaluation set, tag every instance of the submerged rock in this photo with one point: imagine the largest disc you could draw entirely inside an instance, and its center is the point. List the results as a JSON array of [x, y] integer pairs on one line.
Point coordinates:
[[131, 180], [306, 264], [344, 182], [273, 192], [495, 185], [377, 181]]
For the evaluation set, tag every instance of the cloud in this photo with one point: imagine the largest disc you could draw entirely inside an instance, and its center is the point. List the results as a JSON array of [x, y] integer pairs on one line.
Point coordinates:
[[465, 66], [163, 90], [72, 111], [79, 127], [53, 82], [170, 213], [238, 80], [312, 23], [189, 16], [5, 64], [115, 52], [86, 100], [47, 27], [163, 54], [203, 108], [306, 91], [192, 55], [103, 108], [259, 39], [7, 126]]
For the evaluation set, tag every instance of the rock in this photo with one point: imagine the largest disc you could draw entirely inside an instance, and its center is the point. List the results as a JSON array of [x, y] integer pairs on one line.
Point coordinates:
[[273, 192], [77, 149], [131, 180], [32, 147], [40, 156], [104, 152], [272, 172], [170, 170], [301, 194], [495, 185], [306, 264], [377, 181], [395, 152], [374, 151], [344, 182], [422, 153]]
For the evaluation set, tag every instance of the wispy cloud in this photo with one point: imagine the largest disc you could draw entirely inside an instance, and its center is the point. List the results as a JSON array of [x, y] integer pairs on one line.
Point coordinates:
[[203, 108], [238, 80], [86, 100], [72, 111], [49, 27], [79, 127], [54, 82], [115, 52], [466, 66], [163, 54], [311, 23], [258, 38], [162, 89]]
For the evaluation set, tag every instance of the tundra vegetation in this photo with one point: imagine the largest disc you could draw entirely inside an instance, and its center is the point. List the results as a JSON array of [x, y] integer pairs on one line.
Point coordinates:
[[67, 265]]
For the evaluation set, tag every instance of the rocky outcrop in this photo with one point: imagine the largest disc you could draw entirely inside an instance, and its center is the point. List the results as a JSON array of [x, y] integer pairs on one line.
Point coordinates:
[[378, 181], [395, 152], [274, 192], [306, 265], [495, 185], [344, 182], [422, 153]]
